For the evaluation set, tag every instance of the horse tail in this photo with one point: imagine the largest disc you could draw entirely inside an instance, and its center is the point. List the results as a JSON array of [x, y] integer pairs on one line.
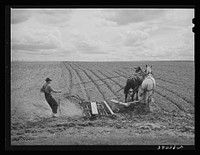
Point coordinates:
[[130, 83]]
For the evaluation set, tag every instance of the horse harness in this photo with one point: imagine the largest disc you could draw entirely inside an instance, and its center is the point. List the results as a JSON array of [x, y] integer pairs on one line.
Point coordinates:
[[133, 77], [149, 77]]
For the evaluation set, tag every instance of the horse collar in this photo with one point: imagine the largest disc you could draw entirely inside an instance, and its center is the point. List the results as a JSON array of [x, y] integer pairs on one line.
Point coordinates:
[[149, 75]]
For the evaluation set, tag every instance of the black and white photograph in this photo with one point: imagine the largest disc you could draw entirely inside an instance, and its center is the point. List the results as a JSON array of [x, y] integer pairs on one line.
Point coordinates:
[[102, 77]]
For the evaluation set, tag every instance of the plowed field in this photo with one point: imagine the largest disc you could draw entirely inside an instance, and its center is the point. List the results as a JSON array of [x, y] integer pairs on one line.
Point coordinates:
[[171, 120]]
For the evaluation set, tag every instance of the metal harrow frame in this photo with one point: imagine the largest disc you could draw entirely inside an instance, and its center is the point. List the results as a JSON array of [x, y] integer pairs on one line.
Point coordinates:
[[92, 109]]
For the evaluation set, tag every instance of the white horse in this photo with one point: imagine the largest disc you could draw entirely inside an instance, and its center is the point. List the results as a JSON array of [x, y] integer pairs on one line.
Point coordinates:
[[147, 87]]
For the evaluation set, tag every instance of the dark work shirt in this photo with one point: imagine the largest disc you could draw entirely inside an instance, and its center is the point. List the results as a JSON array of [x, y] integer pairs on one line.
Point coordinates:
[[48, 89]]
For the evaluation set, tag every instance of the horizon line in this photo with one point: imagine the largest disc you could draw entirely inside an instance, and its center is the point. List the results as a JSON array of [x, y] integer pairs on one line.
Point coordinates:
[[93, 61]]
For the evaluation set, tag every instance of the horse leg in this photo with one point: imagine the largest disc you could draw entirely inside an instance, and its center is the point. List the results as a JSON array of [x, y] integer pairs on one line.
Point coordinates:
[[144, 96], [126, 94], [147, 101], [136, 93], [132, 96], [140, 94], [126, 90]]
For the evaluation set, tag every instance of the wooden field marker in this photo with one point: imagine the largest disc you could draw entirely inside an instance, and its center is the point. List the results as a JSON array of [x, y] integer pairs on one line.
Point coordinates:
[[114, 101], [122, 103], [94, 108], [109, 108]]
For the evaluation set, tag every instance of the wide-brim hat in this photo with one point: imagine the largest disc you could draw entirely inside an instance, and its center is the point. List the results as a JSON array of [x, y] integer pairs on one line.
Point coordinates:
[[48, 79]]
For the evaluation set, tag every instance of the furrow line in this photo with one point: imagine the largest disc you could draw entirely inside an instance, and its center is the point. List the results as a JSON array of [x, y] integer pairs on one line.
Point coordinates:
[[174, 83], [63, 74], [105, 82], [183, 98], [110, 79], [100, 79], [173, 92], [177, 105], [122, 75], [81, 80], [159, 77], [70, 77], [96, 85], [120, 85], [181, 108], [97, 80], [171, 81]]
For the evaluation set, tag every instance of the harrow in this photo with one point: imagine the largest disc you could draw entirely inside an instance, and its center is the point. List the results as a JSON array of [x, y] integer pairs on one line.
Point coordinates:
[[92, 109]]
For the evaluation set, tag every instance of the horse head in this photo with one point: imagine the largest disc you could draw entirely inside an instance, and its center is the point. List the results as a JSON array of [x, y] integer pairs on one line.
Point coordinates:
[[148, 70], [138, 69], [140, 72]]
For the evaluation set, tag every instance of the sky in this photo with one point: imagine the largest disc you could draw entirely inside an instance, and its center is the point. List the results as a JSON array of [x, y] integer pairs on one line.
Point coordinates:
[[77, 34]]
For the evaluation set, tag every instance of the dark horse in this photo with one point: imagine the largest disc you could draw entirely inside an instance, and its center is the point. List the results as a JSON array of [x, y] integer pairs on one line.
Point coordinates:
[[134, 83]]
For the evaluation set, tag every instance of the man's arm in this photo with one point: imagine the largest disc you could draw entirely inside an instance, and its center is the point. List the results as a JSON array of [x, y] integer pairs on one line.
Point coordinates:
[[59, 91], [54, 91]]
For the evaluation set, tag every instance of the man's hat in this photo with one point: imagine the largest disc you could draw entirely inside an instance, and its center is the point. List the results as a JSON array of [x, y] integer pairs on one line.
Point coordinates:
[[48, 79]]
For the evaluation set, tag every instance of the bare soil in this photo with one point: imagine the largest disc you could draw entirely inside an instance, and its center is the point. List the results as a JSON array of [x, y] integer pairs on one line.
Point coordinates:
[[71, 128], [169, 122]]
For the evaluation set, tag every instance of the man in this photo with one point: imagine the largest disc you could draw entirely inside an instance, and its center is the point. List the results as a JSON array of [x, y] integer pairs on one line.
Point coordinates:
[[46, 88]]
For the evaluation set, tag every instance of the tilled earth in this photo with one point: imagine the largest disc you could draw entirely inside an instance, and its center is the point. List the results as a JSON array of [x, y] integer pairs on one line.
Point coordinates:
[[153, 128], [169, 122]]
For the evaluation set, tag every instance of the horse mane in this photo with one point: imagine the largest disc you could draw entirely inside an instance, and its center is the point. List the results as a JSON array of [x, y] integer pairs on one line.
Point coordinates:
[[141, 73], [148, 70]]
